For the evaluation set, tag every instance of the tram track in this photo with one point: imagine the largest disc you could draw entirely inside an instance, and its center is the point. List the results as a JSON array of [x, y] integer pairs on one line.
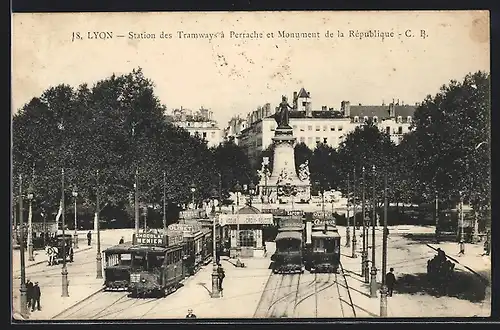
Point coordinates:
[[297, 296]]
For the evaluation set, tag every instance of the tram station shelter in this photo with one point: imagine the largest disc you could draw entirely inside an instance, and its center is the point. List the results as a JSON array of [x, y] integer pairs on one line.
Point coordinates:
[[244, 229]]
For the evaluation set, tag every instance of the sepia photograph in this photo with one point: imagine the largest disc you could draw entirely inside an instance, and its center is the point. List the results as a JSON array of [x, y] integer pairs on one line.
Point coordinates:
[[250, 165]]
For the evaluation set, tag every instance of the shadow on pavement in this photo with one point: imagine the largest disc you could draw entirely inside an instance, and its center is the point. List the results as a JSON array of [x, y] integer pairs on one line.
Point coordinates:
[[464, 285], [429, 238]]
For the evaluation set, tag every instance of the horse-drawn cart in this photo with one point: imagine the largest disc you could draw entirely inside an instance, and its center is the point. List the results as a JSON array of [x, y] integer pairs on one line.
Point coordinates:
[[59, 248]]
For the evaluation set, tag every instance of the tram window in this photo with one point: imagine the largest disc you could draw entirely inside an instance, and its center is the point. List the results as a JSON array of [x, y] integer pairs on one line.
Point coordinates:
[[155, 260], [329, 245]]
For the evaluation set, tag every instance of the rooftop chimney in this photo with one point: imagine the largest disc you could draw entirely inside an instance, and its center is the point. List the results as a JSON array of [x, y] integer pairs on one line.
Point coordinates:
[[345, 107], [324, 108]]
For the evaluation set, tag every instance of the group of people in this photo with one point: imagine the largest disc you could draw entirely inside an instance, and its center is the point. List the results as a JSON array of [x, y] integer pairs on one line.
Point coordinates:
[[33, 295]]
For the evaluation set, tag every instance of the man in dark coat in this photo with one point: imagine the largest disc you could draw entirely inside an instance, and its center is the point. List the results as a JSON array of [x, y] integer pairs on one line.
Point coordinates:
[[122, 240], [390, 281], [89, 237], [29, 292], [222, 274], [190, 314], [35, 299]]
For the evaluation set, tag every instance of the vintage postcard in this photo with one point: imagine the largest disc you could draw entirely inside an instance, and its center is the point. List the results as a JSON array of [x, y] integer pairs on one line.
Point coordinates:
[[227, 165]]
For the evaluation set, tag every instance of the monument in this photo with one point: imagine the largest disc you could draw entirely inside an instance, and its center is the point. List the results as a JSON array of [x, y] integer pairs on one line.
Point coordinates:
[[283, 185]]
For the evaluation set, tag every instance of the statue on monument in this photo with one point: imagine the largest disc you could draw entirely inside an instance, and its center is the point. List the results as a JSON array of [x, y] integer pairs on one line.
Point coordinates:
[[304, 171], [283, 116]]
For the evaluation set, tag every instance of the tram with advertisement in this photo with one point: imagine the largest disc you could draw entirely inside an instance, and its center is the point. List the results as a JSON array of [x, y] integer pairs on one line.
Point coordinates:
[[288, 258], [322, 248], [192, 246], [150, 266]]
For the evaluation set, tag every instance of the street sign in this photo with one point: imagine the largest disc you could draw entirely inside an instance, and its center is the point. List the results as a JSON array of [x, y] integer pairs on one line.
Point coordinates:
[[155, 239]]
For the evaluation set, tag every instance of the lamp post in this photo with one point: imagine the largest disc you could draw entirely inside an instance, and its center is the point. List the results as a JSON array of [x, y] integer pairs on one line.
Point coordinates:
[[354, 217], [348, 231], [383, 291], [462, 243], [30, 226], [136, 201], [437, 215], [237, 189], [364, 254], [98, 212], [373, 272], [164, 201], [215, 275], [192, 188], [75, 235], [64, 271], [23, 300]]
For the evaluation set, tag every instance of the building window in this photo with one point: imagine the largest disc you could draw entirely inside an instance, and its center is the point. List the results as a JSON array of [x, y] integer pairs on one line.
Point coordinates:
[[332, 128], [356, 119], [302, 128], [325, 140], [325, 128], [365, 119], [204, 134], [213, 124], [400, 130], [318, 139], [375, 119], [309, 128], [213, 134], [189, 124], [339, 129], [247, 238], [388, 130], [318, 128], [294, 126], [309, 140], [304, 103], [302, 139]]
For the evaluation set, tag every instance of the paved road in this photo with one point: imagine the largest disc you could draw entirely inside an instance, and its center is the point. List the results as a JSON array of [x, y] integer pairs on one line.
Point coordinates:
[[304, 296]]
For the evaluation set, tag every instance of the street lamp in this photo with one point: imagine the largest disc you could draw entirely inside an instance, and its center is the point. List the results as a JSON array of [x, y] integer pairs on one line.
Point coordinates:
[[98, 225], [215, 275], [373, 272], [383, 291], [354, 240], [23, 289], [237, 189], [64, 271], [462, 243], [30, 227], [348, 231], [437, 215], [364, 254], [192, 187], [75, 235]]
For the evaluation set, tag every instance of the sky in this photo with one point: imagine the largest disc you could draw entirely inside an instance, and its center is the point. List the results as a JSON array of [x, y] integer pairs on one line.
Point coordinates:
[[232, 75]]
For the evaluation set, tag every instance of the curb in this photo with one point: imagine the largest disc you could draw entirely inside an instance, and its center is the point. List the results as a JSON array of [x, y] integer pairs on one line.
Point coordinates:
[[42, 261], [77, 303]]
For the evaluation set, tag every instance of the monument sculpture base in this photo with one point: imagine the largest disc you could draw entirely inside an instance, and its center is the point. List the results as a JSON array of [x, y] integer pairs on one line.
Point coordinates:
[[283, 185]]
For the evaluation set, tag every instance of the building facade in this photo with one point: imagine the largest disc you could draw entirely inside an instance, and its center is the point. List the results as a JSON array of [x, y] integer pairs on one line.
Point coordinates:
[[199, 123], [327, 126]]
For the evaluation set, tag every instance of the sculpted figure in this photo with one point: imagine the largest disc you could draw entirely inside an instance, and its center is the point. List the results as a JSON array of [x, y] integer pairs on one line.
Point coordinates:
[[283, 115], [304, 171]]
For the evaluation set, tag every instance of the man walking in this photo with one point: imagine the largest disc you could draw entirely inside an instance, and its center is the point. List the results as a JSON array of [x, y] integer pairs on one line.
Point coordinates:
[[36, 298], [89, 237], [122, 240], [221, 273], [390, 281], [29, 292]]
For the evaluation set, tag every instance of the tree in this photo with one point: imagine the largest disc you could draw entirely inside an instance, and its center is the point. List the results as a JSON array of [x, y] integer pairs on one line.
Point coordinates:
[[233, 165], [452, 141], [366, 147]]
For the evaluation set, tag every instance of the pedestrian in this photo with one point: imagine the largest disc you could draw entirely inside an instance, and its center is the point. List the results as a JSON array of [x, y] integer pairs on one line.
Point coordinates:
[[190, 314], [121, 241], [71, 253], [390, 281], [89, 237], [487, 245], [221, 274], [29, 292], [35, 299], [386, 231], [461, 245]]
